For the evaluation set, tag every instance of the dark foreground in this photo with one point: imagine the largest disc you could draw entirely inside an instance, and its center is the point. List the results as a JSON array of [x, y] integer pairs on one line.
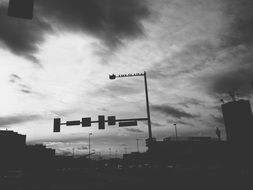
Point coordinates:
[[130, 179]]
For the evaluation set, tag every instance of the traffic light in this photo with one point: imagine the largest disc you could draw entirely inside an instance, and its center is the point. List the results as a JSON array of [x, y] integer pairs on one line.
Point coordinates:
[[86, 122], [57, 124], [113, 76], [21, 8], [101, 122], [111, 120]]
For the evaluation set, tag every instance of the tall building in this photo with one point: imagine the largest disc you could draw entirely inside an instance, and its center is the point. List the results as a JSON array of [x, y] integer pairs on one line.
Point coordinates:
[[12, 148], [238, 121]]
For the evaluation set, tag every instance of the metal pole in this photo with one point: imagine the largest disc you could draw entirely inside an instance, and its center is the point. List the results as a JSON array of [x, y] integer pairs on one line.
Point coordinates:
[[176, 130], [125, 150], [147, 105], [89, 144], [137, 140], [110, 153]]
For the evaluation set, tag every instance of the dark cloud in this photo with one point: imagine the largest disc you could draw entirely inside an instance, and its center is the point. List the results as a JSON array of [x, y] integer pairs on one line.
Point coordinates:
[[17, 119], [237, 43], [240, 32], [153, 123], [22, 36], [109, 20], [237, 80], [172, 122], [171, 111], [133, 130]]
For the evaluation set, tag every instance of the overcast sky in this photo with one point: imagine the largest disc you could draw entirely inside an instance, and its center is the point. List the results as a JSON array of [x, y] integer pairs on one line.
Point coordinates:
[[57, 65]]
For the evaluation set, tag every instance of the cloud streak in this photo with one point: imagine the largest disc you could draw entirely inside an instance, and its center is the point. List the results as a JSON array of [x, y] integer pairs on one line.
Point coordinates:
[[171, 111], [133, 130], [17, 119]]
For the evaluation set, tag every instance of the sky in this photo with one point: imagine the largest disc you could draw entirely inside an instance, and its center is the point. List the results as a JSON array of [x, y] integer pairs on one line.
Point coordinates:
[[57, 65]]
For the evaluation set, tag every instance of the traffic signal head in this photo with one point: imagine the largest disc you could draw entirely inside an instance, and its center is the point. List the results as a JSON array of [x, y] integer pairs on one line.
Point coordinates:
[[101, 122], [57, 124], [113, 76], [21, 8], [111, 120], [86, 122]]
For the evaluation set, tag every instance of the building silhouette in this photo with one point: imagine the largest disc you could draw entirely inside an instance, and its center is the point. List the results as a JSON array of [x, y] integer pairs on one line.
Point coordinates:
[[238, 121], [16, 155], [12, 148]]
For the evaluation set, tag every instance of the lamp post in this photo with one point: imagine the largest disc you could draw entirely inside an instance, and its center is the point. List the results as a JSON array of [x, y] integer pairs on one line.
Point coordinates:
[[110, 151], [89, 144], [113, 76], [137, 143], [175, 125]]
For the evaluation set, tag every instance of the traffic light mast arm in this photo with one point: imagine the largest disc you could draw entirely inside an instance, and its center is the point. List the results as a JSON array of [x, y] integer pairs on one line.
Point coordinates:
[[113, 76], [117, 120]]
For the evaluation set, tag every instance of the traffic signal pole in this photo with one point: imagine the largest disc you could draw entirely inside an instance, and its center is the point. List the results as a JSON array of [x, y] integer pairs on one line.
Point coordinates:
[[147, 105], [113, 76]]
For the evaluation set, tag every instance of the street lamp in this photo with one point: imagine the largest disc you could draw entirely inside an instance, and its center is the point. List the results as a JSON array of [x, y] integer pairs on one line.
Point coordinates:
[[89, 144], [113, 76]]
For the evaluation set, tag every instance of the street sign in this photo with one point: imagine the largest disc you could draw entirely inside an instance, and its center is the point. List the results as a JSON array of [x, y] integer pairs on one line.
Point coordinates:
[[57, 125], [21, 8], [101, 122], [86, 122], [69, 123], [128, 123], [111, 120]]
